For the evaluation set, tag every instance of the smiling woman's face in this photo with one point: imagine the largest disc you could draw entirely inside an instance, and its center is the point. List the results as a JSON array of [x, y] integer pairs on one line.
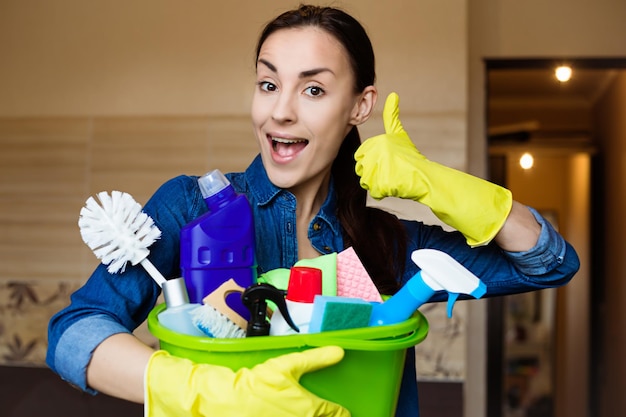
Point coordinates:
[[304, 104]]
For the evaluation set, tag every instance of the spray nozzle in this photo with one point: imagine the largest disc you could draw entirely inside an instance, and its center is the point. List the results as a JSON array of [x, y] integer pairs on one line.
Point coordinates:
[[255, 299], [441, 272]]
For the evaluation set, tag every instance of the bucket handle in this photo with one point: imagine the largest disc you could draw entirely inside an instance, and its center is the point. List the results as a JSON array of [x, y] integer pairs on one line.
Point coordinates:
[[410, 340]]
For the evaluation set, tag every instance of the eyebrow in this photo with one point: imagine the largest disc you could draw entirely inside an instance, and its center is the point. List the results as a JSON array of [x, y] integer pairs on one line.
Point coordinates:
[[303, 74]]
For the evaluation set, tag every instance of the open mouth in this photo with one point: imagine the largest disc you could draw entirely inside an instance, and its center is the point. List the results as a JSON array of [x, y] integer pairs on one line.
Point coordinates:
[[288, 147]]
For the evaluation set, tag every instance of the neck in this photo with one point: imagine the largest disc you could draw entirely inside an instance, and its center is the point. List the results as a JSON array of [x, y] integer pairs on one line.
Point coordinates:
[[310, 196]]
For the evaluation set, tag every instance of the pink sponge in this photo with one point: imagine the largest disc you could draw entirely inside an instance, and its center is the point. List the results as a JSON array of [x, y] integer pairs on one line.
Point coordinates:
[[352, 278]]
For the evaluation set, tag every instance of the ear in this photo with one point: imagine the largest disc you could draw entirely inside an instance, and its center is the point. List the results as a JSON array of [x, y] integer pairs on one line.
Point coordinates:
[[364, 105]]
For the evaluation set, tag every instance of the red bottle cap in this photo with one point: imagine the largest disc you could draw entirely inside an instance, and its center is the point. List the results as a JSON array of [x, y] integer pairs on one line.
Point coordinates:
[[304, 284]]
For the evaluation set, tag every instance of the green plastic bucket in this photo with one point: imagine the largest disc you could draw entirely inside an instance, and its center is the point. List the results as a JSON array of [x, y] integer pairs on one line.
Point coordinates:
[[366, 381]]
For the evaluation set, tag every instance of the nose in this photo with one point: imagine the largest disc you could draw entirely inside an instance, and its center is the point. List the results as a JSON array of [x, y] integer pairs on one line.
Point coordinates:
[[285, 108]]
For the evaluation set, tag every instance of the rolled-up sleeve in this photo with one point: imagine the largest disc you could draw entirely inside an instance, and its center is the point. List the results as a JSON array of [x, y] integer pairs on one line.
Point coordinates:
[[76, 345], [548, 254], [105, 305]]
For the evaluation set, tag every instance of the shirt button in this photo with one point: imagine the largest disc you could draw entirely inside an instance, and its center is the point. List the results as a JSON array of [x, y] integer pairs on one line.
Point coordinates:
[[316, 226], [327, 249]]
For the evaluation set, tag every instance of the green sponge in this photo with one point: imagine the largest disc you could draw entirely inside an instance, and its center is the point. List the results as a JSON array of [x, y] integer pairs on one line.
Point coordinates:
[[339, 313]]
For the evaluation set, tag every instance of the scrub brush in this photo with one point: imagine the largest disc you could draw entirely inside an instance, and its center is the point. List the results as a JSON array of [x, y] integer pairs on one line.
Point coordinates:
[[118, 232], [215, 318]]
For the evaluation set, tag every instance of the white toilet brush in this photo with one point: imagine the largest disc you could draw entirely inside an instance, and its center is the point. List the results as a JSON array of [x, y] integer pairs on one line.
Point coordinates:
[[118, 232]]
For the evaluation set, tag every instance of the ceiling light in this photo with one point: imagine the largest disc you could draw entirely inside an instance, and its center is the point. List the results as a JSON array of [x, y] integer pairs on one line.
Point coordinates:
[[563, 73], [526, 161]]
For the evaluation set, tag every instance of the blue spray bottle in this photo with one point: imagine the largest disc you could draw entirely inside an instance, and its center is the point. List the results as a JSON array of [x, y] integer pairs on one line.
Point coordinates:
[[220, 244], [439, 272]]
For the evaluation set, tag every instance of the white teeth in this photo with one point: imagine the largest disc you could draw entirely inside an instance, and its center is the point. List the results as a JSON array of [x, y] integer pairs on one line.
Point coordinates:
[[287, 141]]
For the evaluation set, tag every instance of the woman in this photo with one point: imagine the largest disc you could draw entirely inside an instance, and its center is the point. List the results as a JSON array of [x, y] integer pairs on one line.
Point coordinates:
[[315, 85]]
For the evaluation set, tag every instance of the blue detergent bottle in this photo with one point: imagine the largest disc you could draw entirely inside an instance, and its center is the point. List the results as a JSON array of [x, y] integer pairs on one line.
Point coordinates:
[[220, 244]]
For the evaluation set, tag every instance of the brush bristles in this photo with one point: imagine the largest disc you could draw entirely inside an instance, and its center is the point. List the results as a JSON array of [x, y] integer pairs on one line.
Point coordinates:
[[117, 231], [214, 324]]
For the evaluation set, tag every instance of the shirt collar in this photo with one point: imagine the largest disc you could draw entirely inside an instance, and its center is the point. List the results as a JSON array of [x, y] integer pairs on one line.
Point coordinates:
[[265, 191], [260, 185]]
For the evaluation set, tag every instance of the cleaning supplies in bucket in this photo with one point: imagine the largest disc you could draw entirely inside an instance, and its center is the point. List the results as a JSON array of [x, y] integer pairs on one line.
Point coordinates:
[[220, 244], [320, 312], [367, 381], [216, 319], [439, 272], [344, 279]]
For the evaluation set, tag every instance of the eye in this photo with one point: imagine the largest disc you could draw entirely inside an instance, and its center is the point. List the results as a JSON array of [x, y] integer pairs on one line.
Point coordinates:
[[267, 86], [314, 91]]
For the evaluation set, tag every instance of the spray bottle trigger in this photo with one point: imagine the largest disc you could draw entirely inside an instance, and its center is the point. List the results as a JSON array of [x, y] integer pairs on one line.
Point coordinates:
[[255, 299], [452, 297]]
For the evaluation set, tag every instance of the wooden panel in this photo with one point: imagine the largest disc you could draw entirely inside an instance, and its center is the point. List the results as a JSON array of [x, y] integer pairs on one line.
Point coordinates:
[[42, 166], [42, 157], [136, 155], [40, 240], [233, 144]]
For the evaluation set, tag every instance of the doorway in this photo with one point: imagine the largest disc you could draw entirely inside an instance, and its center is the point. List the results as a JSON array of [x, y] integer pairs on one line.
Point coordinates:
[[538, 341]]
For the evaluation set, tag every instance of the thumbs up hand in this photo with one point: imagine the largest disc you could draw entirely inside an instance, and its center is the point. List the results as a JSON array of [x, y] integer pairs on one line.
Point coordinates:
[[391, 166], [382, 161]]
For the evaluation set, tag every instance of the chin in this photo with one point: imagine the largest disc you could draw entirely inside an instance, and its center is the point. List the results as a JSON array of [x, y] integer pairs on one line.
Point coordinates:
[[281, 176], [281, 179]]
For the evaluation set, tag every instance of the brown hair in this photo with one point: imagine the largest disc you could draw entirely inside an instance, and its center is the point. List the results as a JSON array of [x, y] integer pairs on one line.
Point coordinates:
[[378, 237]]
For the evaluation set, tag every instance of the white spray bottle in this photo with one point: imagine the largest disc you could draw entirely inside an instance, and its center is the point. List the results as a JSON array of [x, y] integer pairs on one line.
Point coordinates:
[[304, 284], [439, 272]]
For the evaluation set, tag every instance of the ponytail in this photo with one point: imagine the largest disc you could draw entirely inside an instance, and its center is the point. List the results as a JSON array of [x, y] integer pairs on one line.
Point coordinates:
[[378, 237]]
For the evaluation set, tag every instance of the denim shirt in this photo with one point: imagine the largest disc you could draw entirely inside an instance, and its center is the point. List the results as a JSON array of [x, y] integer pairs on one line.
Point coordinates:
[[118, 303]]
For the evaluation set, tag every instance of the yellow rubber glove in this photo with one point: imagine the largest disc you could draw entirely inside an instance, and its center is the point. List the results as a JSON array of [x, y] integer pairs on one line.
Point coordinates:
[[391, 166], [180, 387]]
